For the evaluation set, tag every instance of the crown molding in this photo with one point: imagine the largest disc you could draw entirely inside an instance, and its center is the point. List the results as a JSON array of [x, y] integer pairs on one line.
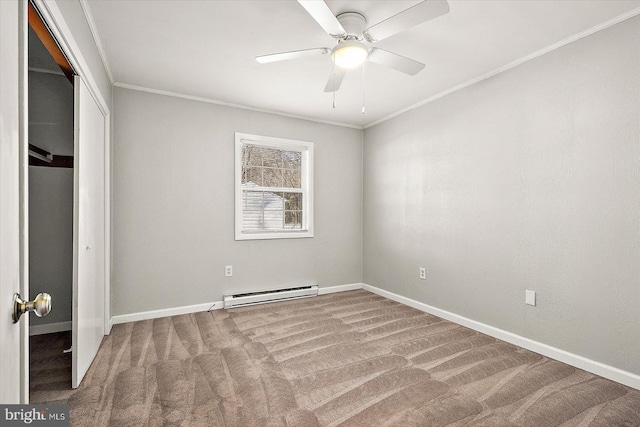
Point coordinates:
[[86, 9], [229, 104]]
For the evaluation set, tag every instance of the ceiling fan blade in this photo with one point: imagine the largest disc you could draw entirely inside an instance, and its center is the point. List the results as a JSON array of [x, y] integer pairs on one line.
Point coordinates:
[[422, 12], [319, 11], [264, 59], [395, 61], [335, 79]]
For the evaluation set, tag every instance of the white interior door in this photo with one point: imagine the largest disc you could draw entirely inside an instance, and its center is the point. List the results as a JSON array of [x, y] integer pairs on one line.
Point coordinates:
[[89, 231], [13, 339]]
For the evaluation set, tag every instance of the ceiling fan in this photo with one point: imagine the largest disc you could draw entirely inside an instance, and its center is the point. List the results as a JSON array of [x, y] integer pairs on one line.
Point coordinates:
[[352, 35]]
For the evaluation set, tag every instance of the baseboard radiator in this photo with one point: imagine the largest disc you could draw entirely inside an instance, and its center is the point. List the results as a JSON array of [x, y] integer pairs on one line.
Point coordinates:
[[273, 295]]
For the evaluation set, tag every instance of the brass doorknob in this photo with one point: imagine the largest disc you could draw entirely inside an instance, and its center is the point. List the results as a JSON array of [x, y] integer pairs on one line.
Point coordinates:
[[41, 306]]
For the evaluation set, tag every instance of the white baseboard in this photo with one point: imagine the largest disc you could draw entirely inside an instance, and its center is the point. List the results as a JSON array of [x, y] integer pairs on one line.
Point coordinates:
[[606, 371], [339, 288], [216, 305], [49, 328], [165, 312]]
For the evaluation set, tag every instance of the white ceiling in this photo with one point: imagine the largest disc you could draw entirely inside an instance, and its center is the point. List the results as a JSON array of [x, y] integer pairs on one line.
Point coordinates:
[[206, 49]]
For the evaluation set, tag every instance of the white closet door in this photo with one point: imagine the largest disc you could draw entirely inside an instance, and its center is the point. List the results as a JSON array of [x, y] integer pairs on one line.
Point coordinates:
[[88, 231]]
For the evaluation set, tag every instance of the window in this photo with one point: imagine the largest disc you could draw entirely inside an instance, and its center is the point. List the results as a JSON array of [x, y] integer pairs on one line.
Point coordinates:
[[274, 188]]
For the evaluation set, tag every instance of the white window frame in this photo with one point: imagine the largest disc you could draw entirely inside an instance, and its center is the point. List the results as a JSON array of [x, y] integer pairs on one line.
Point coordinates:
[[306, 148]]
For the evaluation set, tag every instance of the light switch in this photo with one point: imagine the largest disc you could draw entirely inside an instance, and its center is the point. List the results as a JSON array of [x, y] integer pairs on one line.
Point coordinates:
[[530, 297]]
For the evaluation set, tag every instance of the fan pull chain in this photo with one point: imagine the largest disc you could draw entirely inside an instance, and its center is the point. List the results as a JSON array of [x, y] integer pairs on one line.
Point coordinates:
[[363, 87]]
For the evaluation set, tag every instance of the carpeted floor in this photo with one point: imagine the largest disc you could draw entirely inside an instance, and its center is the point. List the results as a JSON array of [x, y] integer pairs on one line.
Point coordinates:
[[349, 359]]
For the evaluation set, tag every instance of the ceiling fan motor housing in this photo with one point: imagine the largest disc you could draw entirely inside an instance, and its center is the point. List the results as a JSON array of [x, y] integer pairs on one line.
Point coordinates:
[[353, 23]]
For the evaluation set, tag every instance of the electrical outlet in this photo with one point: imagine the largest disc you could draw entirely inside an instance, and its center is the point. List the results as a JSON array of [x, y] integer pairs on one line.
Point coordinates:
[[423, 273], [530, 297], [228, 271]]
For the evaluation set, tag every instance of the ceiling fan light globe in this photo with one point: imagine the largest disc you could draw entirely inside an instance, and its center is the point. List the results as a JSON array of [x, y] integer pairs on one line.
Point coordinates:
[[349, 54]]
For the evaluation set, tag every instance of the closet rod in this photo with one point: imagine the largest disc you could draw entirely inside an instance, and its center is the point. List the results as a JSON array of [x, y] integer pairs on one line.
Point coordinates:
[[40, 154], [40, 157]]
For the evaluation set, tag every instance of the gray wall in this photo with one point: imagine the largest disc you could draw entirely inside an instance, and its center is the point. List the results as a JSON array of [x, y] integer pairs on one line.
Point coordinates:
[[173, 205], [50, 240], [51, 196], [527, 180]]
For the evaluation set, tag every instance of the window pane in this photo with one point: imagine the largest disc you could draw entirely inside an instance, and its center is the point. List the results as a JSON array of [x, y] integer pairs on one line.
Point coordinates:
[[291, 159], [293, 220], [292, 178], [252, 175], [271, 158], [293, 201], [252, 200], [273, 201], [273, 219], [252, 220], [251, 155], [272, 177]]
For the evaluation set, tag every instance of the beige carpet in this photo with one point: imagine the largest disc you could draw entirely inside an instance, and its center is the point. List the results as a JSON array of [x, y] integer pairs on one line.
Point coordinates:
[[348, 359]]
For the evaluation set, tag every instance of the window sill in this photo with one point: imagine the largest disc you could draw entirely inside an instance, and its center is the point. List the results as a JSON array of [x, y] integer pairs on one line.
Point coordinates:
[[269, 235]]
